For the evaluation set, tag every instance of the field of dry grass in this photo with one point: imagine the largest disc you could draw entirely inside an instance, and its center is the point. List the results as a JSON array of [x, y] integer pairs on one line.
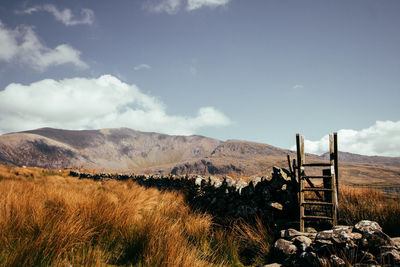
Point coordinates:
[[48, 218], [356, 204]]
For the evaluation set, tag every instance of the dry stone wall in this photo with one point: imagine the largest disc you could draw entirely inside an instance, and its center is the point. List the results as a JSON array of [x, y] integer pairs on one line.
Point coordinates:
[[273, 196], [364, 244]]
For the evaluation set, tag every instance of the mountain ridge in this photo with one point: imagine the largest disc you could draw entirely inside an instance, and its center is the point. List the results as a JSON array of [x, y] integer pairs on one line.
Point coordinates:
[[127, 150]]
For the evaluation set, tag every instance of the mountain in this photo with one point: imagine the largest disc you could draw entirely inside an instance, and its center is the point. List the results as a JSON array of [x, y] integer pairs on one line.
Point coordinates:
[[113, 149], [127, 150], [350, 157]]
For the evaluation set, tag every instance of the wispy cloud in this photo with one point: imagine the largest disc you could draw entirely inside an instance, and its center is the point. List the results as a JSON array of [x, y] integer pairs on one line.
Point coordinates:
[[65, 16], [105, 102], [195, 4], [298, 86], [167, 6], [22, 45], [381, 139], [142, 67], [173, 6]]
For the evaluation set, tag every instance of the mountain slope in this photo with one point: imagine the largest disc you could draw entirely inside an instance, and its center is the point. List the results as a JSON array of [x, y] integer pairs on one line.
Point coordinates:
[[134, 151], [118, 149], [351, 157]]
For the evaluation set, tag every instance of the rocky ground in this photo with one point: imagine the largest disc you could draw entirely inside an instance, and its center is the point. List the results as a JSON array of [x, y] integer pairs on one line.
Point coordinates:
[[364, 243]]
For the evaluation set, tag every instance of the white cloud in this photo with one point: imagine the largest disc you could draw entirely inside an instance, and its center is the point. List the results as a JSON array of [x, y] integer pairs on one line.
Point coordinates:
[[173, 6], [195, 4], [64, 16], [297, 86], [105, 102], [22, 45], [168, 6], [142, 67], [381, 139]]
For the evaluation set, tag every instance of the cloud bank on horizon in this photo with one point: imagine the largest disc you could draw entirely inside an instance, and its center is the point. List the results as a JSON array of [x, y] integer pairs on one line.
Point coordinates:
[[22, 46], [380, 139], [105, 102]]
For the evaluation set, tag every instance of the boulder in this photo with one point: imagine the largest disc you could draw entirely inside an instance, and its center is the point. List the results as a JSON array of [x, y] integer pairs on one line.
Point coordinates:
[[284, 247], [372, 236], [367, 226], [302, 242], [310, 230], [325, 235]]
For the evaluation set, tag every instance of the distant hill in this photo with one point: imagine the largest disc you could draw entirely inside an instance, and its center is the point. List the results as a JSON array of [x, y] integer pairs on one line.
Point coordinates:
[[350, 157], [127, 150], [114, 149]]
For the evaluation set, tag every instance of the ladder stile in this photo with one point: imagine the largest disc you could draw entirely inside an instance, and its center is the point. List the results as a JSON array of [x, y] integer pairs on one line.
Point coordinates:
[[325, 207]]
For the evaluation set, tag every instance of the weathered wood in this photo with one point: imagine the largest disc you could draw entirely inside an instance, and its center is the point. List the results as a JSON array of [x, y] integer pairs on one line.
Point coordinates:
[[329, 188], [333, 184], [317, 164], [312, 189], [317, 218], [318, 203], [327, 181], [317, 176], [336, 161], [301, 182], [311, 184]]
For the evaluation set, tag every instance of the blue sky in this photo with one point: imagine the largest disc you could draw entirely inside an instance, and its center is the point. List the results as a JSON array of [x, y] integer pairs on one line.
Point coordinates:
[[258, 70]]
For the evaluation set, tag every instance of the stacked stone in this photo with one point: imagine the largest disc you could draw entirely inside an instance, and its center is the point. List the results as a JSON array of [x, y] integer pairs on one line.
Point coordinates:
[[274, 195], [365, 243]]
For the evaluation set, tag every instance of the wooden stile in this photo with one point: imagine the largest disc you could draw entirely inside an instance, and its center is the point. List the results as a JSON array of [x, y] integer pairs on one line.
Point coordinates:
[[325, 206]]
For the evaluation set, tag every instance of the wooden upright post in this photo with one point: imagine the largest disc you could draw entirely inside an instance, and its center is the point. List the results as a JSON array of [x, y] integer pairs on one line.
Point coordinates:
[[300, 162], [336, 161], [333, 173]]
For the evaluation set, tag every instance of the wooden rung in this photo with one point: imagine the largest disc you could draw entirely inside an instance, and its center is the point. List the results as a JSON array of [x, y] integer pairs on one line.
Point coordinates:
[[317, 218], [317, 189], [318, 203], [316, 176], [317, 165]]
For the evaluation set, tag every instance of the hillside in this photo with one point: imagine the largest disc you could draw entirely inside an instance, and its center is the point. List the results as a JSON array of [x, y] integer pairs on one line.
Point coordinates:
[[127, 150], [115, 149], [351, 157]]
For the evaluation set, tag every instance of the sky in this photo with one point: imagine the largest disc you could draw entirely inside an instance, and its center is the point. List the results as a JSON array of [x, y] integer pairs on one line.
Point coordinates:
[[256, 70]]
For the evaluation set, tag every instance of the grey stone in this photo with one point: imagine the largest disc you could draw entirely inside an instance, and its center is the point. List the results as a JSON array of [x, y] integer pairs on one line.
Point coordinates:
[[372, 235], [336, 261], [284, 247], [347, 228], [275, 205], [256, 180], [310, 230], [366, 226], [325, 235], [302, 242], [396, 242], [291, 233]]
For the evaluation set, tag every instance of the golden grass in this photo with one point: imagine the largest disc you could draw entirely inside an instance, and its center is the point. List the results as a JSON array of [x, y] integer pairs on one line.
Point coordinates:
[[47, 218], [357, 204]]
